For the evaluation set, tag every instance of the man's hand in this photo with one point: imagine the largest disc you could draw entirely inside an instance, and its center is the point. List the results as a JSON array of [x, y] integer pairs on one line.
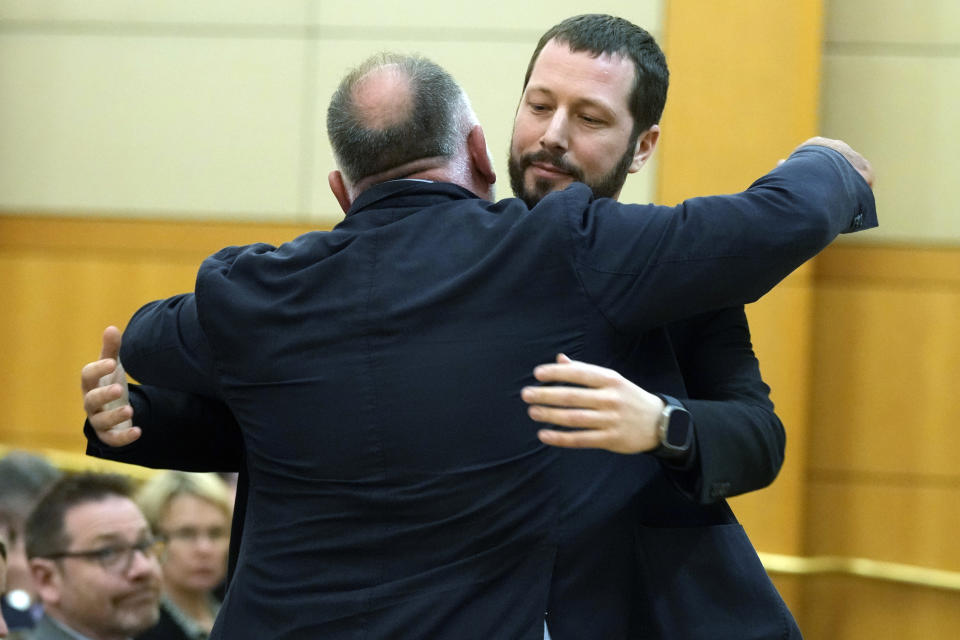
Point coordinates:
[[611, 412], [861, 164], [104, 387]]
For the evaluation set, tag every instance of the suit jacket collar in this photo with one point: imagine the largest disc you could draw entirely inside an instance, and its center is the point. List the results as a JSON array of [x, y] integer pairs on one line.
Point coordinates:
[[49, 629], [401, 193]]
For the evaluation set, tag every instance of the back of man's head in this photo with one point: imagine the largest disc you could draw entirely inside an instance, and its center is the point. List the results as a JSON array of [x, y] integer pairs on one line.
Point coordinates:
[[46, 531], [393, 110], [600, 34], [23, 478]]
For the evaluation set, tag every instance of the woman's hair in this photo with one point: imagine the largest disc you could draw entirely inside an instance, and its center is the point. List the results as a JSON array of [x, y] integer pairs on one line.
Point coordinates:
[[156, 493]]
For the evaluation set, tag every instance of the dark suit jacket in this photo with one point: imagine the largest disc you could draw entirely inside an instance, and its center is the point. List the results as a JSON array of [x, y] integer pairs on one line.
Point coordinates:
[[691, 570], [48, 630], [396, 487]]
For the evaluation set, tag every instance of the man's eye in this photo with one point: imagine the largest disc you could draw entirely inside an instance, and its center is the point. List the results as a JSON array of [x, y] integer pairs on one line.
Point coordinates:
[[110, 554], [538, 107], [591, 119]]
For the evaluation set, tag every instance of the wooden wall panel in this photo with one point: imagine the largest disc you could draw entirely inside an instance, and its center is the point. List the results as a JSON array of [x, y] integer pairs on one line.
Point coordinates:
[[884, 354], [780, 330], [911, 522], [883, 482], [64, 281], [849, 608]]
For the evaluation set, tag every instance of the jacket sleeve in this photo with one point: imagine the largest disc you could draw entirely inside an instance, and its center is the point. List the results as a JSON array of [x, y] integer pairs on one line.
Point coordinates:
[[181, 431], [644, 266], [739, 439], [164, 345]]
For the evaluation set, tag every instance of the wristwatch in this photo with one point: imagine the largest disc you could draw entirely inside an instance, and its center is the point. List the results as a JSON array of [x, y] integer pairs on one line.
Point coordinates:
[[675, 430]]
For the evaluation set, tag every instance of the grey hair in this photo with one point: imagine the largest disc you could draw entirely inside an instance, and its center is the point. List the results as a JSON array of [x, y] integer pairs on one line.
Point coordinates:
[[431, 127]]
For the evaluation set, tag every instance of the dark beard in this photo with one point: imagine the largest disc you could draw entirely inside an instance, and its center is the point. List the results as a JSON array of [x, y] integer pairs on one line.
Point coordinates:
[[606, 187]]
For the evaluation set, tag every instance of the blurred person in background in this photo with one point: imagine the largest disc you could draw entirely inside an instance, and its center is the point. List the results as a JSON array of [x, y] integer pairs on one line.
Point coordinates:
[[192, 512], [3, 583], [94, 560], [23, 479]]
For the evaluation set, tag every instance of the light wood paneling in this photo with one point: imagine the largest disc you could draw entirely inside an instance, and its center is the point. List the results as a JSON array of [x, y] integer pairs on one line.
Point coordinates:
[[912, 520], [780, 327], [882, 401], [882, 478], [887, 355], [67, 279], [744, 92], [844, 608]]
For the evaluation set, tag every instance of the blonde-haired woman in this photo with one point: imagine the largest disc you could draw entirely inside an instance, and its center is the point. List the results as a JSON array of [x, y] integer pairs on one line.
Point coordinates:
[[192, 512]]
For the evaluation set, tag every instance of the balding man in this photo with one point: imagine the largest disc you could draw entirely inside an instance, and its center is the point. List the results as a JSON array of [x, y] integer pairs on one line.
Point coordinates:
[[397, 487]]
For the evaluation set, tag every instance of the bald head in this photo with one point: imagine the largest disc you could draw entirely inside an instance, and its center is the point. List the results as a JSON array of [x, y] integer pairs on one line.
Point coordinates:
[[383, 98], [394, 110]]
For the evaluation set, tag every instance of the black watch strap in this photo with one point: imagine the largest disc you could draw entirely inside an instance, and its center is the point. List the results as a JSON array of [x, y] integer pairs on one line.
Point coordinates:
[[675, 430]]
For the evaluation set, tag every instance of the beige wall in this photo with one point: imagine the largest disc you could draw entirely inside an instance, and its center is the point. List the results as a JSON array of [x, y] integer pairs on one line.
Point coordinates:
[[216, 110], [891, 86]]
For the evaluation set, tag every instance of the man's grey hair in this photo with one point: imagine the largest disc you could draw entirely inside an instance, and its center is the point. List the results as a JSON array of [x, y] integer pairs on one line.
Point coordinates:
[[430, 122]]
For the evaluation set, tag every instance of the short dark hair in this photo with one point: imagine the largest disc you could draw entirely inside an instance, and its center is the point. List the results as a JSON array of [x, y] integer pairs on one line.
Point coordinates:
[[600, 34], [45, 532], [430, 130]]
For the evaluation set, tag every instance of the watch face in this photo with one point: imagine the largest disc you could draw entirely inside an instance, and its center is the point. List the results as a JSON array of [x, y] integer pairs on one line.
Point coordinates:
[[678, 428]]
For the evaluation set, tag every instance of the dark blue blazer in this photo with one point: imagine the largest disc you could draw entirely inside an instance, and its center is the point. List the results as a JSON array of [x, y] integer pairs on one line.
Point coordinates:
[[397, 488]]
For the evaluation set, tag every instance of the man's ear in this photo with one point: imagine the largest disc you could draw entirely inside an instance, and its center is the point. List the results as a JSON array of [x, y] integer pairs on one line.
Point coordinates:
[[480, 160], [339, 188], [46, 579], [646, 143]]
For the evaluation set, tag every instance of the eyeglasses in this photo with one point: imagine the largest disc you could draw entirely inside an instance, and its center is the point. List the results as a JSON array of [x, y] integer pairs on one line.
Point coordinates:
[[194, 534], [117, 558]]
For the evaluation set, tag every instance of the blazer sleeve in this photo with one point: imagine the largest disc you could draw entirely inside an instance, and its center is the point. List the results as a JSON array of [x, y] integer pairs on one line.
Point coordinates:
[[645, 266], [739, 439], [181, 431], [164, 345]]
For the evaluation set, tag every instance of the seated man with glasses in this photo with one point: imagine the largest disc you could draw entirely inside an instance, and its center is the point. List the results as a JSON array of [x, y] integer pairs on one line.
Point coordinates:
[[94, 561]]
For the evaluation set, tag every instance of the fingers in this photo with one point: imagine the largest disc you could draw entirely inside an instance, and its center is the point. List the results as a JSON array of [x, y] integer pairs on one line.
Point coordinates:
[[106, 420], [95, 399], [104, 386], [576, 439], [568, 417], [860, 163], [562, 396], [119, 438], [574, 372], [92, 372], [111, 343], [113, 426]]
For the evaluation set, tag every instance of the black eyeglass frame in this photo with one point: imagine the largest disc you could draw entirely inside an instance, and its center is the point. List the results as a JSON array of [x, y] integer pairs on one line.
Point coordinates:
[[152, 547]]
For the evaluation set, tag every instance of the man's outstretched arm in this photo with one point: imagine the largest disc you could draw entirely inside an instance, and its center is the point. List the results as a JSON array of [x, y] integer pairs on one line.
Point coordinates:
[[174, 429]]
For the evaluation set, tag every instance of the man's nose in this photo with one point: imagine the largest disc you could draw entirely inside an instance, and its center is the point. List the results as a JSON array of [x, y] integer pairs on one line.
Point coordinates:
[[555, 136], [143, 563]]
